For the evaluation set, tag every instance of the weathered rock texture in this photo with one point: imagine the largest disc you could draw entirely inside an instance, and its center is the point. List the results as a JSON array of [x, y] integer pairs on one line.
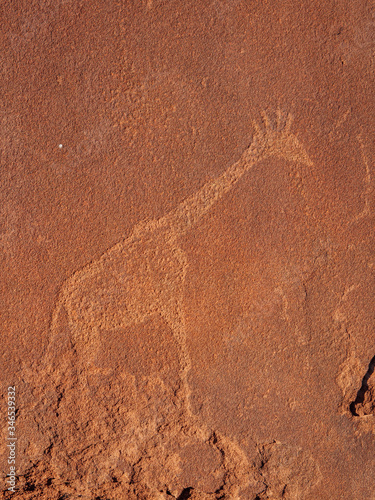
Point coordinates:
[[187, 243]]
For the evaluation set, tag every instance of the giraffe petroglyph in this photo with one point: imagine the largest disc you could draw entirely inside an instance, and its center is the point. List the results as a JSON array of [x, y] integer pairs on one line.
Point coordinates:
[[143, 275]]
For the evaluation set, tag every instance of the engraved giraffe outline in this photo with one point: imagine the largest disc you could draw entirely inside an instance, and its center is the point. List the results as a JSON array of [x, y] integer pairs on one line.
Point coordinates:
[[143, 275]]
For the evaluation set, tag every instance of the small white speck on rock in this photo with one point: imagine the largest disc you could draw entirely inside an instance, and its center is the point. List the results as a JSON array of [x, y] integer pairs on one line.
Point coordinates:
[[60, 146]]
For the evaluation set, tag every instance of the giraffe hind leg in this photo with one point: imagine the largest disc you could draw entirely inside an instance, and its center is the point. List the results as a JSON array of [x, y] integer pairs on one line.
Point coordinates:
[[175, 319]]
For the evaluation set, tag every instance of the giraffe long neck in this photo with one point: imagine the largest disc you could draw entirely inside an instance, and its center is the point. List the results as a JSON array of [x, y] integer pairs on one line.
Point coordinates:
[[190, 211]]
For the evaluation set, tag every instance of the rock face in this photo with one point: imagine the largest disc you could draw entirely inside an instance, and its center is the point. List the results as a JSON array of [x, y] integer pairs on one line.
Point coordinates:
[[186, 228]]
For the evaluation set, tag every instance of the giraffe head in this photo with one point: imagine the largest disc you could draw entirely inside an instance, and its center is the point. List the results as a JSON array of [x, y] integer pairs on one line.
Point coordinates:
[[276, 139]]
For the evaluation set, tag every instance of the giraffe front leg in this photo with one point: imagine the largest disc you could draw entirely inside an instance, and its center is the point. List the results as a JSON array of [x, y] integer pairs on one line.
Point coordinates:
[[175, 318], [86, 342]]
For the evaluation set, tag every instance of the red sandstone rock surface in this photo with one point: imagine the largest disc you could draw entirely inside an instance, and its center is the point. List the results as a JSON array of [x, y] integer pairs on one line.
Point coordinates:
[[187, 249]]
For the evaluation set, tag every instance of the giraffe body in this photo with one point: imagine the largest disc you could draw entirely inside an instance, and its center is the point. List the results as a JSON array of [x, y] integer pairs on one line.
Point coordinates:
[[133, 280]]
